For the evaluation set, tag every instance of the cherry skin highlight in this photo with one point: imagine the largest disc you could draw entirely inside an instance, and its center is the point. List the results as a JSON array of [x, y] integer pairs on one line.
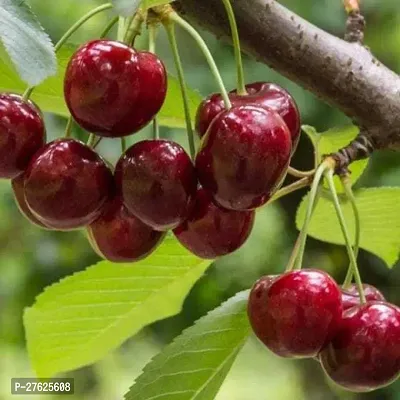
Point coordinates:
[[244, 157], [264, 94], [364, 354], [118, 236], [351, 298], [157, 180], [19, 196], [22, 133], [298, 314], [67, 184], [211, 231], [112, 90]]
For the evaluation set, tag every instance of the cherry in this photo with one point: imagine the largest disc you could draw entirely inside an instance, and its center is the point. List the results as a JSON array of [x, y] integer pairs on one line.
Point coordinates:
[[298, 314], [67, 184], [364, 354], [351, 298], [19, 195], [263, 94], [244, 156], [211, 231], [158, 180], [112, 90], [118, 236], [22, 133]]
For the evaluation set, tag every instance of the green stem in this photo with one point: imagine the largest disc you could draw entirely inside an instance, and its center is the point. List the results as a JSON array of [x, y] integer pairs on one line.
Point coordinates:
[[152, 49], [69, 33], [108, 27], [293, 256], [241, 88], [68, 128], [342, 222], [346, 183], [121, 29], [300, 184], [312, 202], [203, 46], [91, 141], [156, 129], [170, 27], [134, 26], [300, 174], [123, 145]]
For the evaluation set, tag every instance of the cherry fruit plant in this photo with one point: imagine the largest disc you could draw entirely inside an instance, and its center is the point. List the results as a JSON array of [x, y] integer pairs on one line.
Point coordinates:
[[161, 215]]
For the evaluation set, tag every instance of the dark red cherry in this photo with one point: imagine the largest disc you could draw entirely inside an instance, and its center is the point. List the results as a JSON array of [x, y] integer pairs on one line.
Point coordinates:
[[351, 298], [158, 180], [244, 156], [19, 196], [364, 354], [118, 236], [67, 184], [263, 94], [22, 133], [211, 231], [299, 313], [112, 90]]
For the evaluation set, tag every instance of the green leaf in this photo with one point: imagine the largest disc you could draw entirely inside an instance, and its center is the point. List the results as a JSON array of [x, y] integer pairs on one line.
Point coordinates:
[[153, 3], [126, 7], [380, 221], [333, 140], [80, 319], [50, 98], [195, 365], [27, 44]]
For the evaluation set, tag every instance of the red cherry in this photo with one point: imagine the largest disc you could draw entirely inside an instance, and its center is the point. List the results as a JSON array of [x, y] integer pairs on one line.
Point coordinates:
[[118, 236], [351, 298], [262, 94], [244, 156], [67, 184], [364, 354], [211, 231], [112, 90], [19, 196], [299, 313], [158, 181], [22, 133]]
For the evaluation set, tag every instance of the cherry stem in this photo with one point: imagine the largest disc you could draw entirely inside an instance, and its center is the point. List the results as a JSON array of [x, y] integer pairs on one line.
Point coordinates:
[[68, 128], [206, 51], [121, 29], [170, 28], [96, 142], [346, 183], [300, 174], [69, 33], [123, 145], [91, 140], [241, 88], [312, 202], [152, 49], [342, 222], [300, 184], [108, 27], [134, 27]]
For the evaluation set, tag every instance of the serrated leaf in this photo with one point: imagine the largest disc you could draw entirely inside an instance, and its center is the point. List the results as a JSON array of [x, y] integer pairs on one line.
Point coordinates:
[[50, 98], [333, 140], [380, 221], [80, 319], [26, 42], [195, 365], [126, 7]]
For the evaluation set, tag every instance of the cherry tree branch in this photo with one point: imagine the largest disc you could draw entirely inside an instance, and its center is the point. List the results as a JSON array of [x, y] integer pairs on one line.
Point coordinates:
[[344, 74]]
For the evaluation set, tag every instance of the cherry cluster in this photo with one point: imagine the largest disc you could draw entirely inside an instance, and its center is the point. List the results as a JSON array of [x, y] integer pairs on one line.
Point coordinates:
[[303, 314], [113, 91]]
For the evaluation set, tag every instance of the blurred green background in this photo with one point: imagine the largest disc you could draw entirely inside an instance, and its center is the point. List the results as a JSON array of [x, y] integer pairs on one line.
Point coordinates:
[[31, 259]]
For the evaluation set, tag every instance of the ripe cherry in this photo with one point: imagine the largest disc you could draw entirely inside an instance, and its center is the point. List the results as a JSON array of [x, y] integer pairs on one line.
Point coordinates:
[[118, 236], [244, 156], [299, 313], [22, 133], [67, 184], [19, 196], [157, 180], [112, 90], [211, 231], [262, 94], [364, 354], [351, 297]]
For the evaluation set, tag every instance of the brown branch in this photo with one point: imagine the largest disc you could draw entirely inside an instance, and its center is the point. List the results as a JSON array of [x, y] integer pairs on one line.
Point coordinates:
[[346, 75]]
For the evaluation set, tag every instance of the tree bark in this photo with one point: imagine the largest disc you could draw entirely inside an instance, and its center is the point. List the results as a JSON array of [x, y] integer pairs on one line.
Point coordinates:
[[346, 75]]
